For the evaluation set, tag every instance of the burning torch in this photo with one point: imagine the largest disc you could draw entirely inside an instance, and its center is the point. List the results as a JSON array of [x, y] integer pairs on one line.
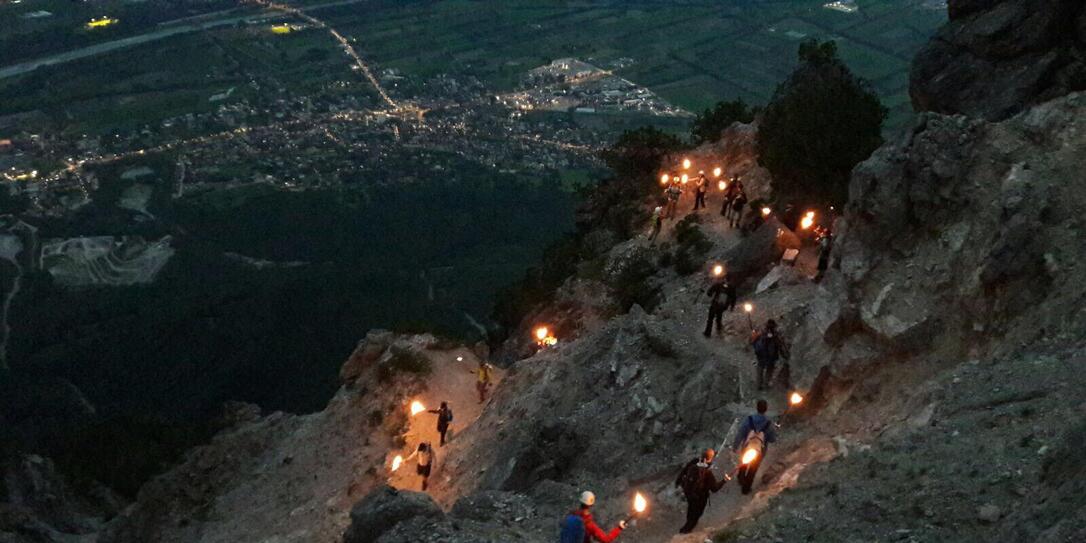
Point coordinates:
[[664, 179], [717, 171], [793, 401], [684, 179], [718, 270], [808, 220], [544, 338], [749, 456], [766, 211], [417, 407], [396, 463], [748, 308], [686, 163], [640, 505]]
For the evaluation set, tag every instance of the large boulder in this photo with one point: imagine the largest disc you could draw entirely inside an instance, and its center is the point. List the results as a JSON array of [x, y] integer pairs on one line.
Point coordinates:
[[994, 58], [759, 251], [383, 509]]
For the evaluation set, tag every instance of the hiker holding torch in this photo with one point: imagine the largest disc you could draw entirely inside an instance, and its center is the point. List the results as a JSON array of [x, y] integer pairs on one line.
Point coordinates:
[[751, 443], [697, 482], [580, 527]]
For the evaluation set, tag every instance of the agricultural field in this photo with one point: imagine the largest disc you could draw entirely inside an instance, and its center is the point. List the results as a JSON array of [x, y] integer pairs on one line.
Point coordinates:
[[691, 53]]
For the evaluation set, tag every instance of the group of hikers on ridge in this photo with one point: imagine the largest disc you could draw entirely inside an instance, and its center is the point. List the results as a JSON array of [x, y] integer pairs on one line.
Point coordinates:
[[696, 481], [735, 200], [424, 452]]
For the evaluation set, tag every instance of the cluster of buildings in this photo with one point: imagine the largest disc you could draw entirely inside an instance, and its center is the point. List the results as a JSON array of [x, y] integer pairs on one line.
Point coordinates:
[[294, 142], [570, 84]]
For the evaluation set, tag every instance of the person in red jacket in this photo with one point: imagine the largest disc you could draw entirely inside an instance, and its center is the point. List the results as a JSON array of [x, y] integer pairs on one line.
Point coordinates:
[[592, 531]]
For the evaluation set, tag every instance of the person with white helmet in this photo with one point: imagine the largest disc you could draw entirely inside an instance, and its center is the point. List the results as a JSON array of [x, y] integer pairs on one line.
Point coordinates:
[[580, 527]]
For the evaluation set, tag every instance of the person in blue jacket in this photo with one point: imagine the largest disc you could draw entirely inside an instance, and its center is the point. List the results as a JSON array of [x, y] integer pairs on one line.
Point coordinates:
[[756, 432]]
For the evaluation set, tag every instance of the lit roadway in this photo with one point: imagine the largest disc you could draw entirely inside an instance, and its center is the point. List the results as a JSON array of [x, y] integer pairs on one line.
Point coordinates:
[[75, 167], [166, 31]]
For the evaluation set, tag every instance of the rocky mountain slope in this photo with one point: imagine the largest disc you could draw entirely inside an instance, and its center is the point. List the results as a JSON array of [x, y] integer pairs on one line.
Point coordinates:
[[940, 356], [997, 57], [291, 478]]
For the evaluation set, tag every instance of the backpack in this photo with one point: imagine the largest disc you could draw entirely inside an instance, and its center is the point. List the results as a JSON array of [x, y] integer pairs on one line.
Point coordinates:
[[690, 478], [755, 437], [766, 348], [572, 529], [448, 415]]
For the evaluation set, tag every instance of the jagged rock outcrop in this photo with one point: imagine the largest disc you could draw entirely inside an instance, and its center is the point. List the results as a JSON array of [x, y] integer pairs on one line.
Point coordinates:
[[995, 58], [383, 509], [962, 228]]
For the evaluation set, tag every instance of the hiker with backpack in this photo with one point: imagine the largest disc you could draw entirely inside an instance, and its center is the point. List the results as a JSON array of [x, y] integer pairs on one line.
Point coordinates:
[[697, 481], [756, 432], [482, 379], [738, 203], [425, 454], [700, 191], [716, 307], [769, 347], [444, 419], [673, 193], [730, 193], [579, 526]]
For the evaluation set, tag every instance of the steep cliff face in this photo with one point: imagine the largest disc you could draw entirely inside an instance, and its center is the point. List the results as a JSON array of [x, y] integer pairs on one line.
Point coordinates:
[[996, 58]]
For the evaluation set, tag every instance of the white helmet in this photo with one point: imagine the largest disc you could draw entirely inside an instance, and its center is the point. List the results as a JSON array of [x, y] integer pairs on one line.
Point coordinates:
[[588, 498]]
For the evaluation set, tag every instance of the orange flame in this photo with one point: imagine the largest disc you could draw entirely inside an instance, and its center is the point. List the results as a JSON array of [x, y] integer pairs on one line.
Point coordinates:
[[684, 178], [541, 333], [766, 211], [686, 163], [417, 407], [796, 398], [808, 220], [640, 503], [664, 179], [718, 270], [749, 456], [717, 171], [748, 307], [397, 462], [722, 185]]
